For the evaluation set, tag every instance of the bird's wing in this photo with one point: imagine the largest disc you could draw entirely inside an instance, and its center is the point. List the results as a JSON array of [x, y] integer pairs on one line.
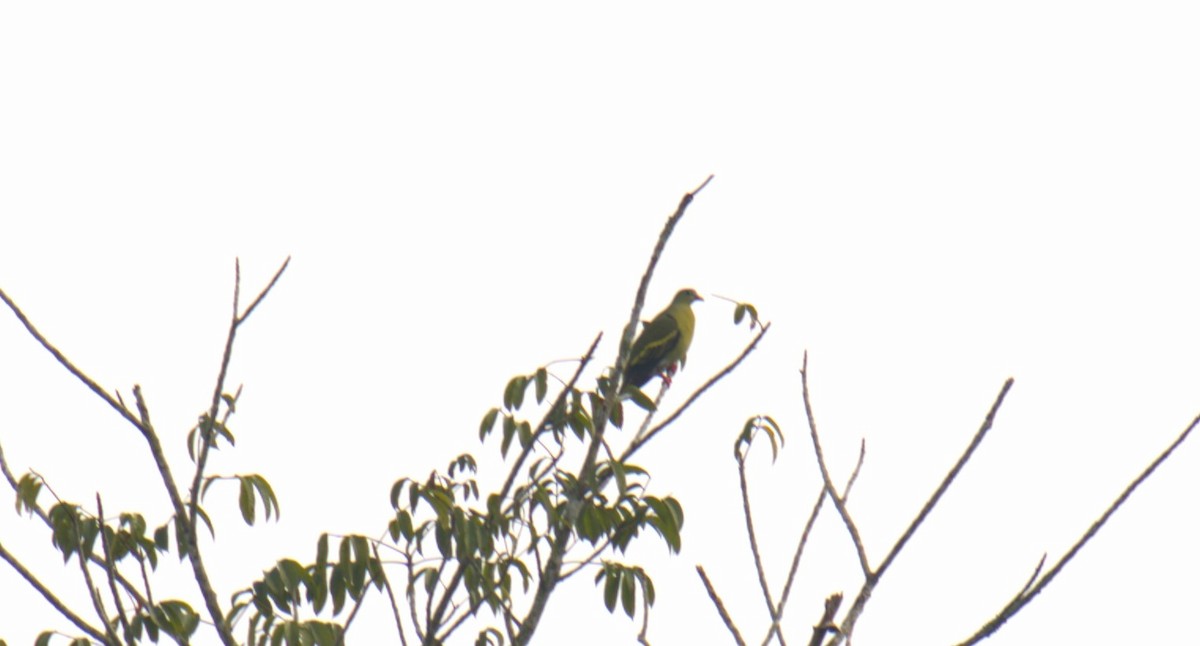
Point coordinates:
[[656, 342]]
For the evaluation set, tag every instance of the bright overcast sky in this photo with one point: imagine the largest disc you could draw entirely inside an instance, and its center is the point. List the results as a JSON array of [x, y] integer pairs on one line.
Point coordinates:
[[928, 197]]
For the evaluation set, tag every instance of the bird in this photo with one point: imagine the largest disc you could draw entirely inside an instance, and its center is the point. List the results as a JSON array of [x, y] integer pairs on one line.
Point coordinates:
[[663, 342]]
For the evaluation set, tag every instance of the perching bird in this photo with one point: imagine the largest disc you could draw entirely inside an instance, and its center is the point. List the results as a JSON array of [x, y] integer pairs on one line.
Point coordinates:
[[664, 341]]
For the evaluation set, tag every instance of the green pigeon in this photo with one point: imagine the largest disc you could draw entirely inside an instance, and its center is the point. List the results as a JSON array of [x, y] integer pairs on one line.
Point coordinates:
[[663, 342]]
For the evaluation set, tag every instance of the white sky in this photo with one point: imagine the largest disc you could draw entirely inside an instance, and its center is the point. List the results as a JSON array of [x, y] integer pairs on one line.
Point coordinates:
[[929, 197]]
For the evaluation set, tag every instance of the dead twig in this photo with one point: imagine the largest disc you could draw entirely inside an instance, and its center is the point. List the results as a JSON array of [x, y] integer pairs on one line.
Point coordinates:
[[864, 594], [1031, 589], [716, 599]]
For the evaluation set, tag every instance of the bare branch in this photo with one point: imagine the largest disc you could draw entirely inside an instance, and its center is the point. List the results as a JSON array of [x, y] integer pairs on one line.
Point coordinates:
[[716, 599], [66, 363], [826, 625], [1027, 593], [263, 294], [758, 564], [950, 476], [49, 596], [872, 579], [812, 519], [838, 501]]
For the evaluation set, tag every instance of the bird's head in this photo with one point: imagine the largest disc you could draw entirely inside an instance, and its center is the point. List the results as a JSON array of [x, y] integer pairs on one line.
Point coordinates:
[[686, 297]]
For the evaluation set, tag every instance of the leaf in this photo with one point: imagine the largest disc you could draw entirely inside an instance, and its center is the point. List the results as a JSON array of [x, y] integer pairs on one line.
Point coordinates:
[[640, 398], [337, 588], [525, 434], [539, 384], [618, 470], [28, 489], [612, 585], [628, 592], [514, 392], [510, 429], [246, 500], [489, 421], [617, 414], [270, 502]]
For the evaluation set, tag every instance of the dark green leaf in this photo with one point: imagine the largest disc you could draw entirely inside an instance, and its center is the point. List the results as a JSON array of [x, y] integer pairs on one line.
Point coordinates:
[[489, 420], [641, 399], [246, 500], [628, 593], [539, 381], [612, 585]]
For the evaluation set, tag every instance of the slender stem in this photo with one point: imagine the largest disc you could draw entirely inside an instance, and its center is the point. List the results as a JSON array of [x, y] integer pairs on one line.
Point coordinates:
[[868, 586], [716, 599], [758, 563], [812, 519], [110, 568], [1031, 590], [49, 596], [838, 501], [643, 438], [387, 584]]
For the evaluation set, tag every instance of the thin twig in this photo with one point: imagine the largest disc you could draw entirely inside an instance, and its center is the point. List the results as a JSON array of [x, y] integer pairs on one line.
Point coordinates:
[[109, 567], [66, 363], [93, 591], [362, 596], [49, 596], [1027, 593], [868, 586], [826, 625], [387, 585], [812, 519], [206, 430], [716, 599], [641, 440], [837, 499], [641, 638], [950, 476], [758, 563]]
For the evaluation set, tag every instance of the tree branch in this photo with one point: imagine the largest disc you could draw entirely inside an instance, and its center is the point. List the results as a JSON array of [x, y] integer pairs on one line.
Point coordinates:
[[812, 519], [716, 599], [837, 499], [549, 576], [642, 439], [1027, 593], [49, 596], [872, 579]]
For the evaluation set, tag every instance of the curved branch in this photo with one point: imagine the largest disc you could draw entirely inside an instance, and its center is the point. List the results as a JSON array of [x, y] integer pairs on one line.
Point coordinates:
[[838, 501]]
